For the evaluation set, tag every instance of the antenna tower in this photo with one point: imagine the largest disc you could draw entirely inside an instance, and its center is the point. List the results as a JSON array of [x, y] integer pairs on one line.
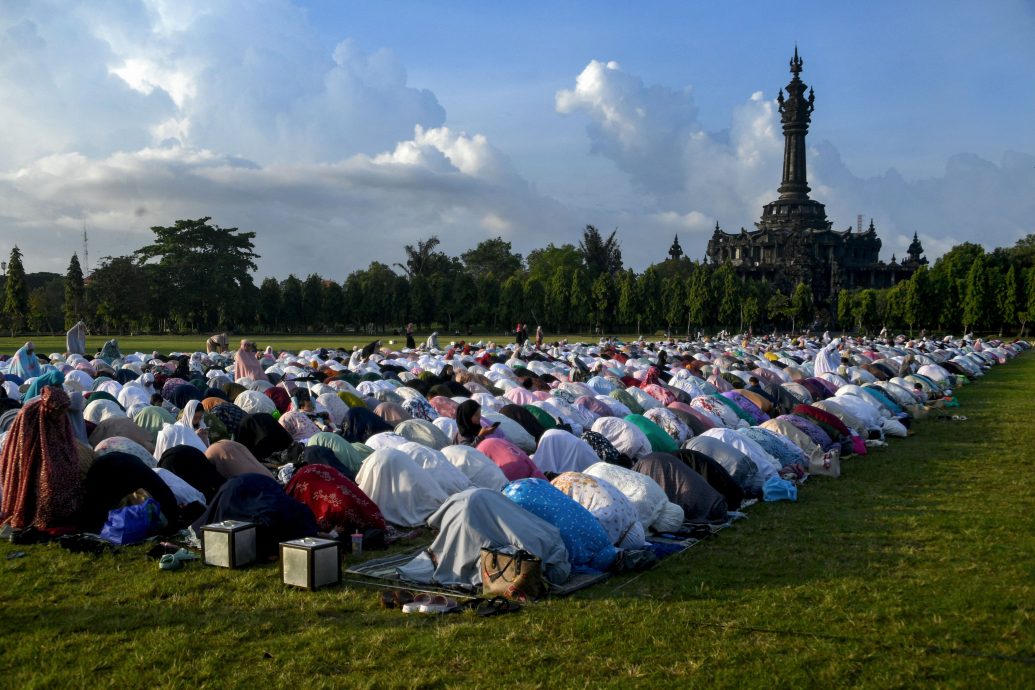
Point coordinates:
[[859, 223], [86, 253]]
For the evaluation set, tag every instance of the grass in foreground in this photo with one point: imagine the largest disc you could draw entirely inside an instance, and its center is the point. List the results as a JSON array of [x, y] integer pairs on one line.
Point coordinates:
[[914, 568]]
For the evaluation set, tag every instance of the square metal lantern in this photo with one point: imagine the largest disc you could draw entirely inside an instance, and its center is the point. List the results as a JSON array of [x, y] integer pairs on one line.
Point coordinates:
[[310, 562], [228, 544]]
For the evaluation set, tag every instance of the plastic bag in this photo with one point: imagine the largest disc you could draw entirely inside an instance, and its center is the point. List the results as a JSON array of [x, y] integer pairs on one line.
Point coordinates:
[[776, 489], [132, 524]]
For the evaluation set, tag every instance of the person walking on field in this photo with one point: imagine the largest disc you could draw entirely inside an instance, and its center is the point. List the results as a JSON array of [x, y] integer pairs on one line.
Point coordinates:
[[410, 343], [217, 343], [538, 337]]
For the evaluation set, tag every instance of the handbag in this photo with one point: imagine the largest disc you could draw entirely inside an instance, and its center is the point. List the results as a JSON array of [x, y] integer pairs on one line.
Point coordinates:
[[829, 464], [514, 574], [131, 524]]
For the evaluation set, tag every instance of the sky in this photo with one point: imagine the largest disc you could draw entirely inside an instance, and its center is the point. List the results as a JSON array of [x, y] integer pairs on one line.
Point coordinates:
[[340, 131]]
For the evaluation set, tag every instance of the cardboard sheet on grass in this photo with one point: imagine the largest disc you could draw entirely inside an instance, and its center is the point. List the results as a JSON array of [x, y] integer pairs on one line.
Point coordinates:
[[384, 571]]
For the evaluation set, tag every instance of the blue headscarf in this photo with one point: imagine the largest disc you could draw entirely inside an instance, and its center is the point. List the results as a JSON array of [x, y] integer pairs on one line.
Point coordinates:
[[54, 377], [25, 363]]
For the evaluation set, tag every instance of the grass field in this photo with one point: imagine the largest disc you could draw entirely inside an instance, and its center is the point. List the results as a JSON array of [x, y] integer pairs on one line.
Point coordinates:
[[913, 569]]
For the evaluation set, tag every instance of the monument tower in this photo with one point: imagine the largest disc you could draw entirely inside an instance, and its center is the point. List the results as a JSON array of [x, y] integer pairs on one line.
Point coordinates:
[[794, 242]]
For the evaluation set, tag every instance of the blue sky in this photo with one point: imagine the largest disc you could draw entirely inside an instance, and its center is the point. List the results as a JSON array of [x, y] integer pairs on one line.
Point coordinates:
[[357, 127]]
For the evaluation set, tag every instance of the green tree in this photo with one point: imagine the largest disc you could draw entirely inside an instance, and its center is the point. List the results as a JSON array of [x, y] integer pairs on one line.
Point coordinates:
[[332, 305], [535, 298], [492, 257], [801, 306], [1029, 299], [727, 291], [241, 315], [544, 263], [75, 292], [628, 301], [558, 300], [424, 259], [487, 303], [512, 299], [600, 255], [354, 301], [579, 296], [464, 301], [16, 292], [673, 301], [975, 296], [751, 310], [778, 307], [1022, 253], [919, 295], [845, 318], [291, 301], [422, 300], [379, 306], [698, 298], [312, 301], [400, 299], [118, 292], [204, 265], [605, 301], [45, 301], [1006, 299], [649, 287], [268, 315], [864, 309]]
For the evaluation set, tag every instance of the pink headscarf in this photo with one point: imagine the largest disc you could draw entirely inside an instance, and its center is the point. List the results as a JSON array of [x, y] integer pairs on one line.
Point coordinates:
[[246, 365], [511, 459]]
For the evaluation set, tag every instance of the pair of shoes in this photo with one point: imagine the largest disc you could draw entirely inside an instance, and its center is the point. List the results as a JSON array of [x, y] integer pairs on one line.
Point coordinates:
[[497, 606], [86, 543], [430, 603], [175, 561], [395, 598]]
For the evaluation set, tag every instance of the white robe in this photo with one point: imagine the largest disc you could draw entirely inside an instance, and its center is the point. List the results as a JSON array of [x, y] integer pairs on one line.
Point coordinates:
[[828, 359], [653, 508], [406, 494], [477, 467], [560, 451]]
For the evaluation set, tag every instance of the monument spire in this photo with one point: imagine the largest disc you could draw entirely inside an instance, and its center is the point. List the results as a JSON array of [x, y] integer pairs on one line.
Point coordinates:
[[793, 209], [795, 114]]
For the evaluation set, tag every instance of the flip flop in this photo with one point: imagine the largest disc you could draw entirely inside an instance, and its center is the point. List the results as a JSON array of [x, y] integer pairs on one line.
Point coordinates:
[[438, 604], [497, 606], [423, 599]]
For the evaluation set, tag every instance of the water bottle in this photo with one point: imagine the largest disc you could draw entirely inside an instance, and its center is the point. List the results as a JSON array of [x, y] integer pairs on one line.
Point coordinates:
[[357, 543]]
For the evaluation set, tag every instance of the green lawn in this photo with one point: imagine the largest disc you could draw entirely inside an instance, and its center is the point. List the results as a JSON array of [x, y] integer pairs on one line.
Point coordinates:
[[913, 569]]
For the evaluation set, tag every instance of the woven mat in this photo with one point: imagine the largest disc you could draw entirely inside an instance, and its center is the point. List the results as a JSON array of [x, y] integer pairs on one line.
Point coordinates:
[[384, 571]]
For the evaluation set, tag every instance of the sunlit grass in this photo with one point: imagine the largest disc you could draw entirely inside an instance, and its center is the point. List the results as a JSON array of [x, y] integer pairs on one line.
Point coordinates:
[[914, 568]]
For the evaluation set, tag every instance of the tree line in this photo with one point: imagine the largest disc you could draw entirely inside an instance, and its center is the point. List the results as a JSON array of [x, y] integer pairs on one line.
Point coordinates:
[[197, 277]]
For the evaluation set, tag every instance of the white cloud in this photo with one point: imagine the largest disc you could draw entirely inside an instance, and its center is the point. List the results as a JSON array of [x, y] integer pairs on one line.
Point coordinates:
[[328, 218]]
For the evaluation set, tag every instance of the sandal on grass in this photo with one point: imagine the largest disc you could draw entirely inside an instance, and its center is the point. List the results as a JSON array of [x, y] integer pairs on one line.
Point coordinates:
[[439, 604], [395, 598], [497, 606], [175, 561]]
